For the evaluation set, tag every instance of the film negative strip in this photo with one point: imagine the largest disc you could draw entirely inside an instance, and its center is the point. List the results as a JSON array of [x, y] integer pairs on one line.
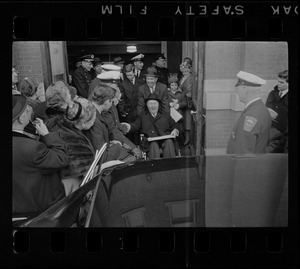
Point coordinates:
[[201, 209]]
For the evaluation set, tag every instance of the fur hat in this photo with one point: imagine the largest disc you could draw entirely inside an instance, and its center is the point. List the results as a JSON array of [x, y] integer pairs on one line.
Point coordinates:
[[58, 94], [82, 114], [19, 103], [173, 78], [28, 87]]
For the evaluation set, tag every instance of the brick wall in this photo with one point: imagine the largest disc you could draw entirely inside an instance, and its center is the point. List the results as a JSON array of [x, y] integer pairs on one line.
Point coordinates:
[[27, 58]]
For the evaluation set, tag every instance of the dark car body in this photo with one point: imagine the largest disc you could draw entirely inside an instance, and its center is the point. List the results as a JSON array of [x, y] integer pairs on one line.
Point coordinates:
[[198, 191]]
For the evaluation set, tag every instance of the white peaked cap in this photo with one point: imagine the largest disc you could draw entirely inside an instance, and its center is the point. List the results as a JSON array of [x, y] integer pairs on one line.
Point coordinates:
[[110, 67], [248, 79], [137, 57], [109, 75]]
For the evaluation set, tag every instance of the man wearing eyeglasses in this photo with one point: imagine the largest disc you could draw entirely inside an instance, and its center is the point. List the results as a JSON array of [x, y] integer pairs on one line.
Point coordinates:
[[82, 77]]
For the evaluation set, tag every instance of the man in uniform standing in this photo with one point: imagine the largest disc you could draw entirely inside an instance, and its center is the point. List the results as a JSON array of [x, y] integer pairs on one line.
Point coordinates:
[[82, 77], [138, 65], [251, 132], [162, 71]]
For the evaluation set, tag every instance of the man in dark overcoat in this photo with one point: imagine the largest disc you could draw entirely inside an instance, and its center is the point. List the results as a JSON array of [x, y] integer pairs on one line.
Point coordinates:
[[36, 164], [82, 77], [154, 123], [278, 105]]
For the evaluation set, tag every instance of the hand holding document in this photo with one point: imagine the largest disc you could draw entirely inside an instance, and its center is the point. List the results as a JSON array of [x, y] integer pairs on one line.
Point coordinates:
[[273, 113]]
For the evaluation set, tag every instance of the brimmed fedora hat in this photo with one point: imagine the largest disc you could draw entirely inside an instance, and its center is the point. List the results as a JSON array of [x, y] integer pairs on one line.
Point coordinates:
[[151, 72], [118, 60], [153, 96], [19, 103], [97, 61]]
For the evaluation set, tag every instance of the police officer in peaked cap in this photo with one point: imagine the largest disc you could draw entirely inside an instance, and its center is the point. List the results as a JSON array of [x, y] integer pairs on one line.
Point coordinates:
[[251, 132], [82, 76]]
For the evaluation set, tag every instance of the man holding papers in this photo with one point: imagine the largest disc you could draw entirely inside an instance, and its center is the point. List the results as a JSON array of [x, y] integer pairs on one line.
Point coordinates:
[[158, 126]]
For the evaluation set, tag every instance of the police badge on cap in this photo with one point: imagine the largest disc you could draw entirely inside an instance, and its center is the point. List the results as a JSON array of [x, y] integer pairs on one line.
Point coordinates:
[[138, 57], [88, 57]]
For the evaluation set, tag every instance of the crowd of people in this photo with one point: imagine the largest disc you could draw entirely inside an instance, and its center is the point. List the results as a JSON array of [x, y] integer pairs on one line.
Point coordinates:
[[130, 108], [120, 104]]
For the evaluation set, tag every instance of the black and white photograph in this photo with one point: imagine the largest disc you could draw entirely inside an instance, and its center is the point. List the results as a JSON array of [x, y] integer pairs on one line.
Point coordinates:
[[150, 134]]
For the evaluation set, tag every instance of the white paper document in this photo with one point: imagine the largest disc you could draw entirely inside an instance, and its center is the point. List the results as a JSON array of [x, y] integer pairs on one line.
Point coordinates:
[[160, 137], [110, 164], [175, 114]]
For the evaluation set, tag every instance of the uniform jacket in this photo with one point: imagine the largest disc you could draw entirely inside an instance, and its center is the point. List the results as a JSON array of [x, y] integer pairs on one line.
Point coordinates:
[[162, 124], [251, 132], [129, 100], [36, 166], [160, 90], [280, 105], [81, 80], [163, 74]]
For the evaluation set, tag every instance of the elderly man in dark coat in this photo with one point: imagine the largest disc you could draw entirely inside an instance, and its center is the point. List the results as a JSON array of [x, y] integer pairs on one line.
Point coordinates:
[[153, 86], [36, 164], [155, 123]]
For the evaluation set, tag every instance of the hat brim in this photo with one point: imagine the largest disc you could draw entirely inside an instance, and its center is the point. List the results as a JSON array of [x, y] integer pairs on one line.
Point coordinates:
[[155, 99], [150, 75], [18, 109]]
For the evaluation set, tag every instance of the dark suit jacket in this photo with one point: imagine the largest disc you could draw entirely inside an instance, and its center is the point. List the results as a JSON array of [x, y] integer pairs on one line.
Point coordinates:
[[81, 80], [281, 106], [141, 75], [129, 99], [160, 90]]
